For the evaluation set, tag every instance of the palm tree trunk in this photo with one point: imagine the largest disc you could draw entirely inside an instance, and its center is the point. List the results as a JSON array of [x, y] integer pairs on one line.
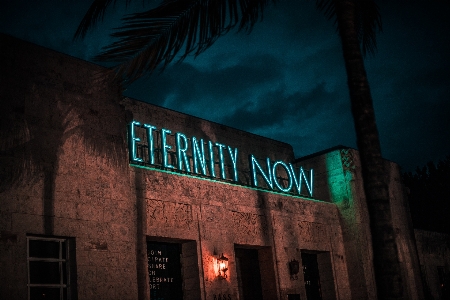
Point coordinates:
[[385, 256]]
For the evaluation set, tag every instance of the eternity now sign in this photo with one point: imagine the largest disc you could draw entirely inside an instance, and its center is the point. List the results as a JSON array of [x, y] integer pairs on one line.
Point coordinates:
[[203, 156]]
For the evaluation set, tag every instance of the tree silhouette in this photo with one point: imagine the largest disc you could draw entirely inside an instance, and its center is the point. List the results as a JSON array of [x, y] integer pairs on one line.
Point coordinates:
[[154, 37], [428, 195]]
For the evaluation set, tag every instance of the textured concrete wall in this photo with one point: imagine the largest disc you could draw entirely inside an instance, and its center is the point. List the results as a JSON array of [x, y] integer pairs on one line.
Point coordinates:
[[404, 233], [339, 180], [434, 253], [62, 137], [65, 172], [220, 216]]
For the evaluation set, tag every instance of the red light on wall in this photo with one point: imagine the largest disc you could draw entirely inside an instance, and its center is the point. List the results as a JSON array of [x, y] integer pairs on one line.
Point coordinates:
[[222, 267]]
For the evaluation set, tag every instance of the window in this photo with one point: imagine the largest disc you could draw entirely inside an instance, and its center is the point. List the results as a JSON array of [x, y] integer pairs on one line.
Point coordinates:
[[49, 268]]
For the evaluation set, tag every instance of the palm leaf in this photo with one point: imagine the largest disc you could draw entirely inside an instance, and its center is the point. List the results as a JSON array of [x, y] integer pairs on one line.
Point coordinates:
[[147, 39], [154, 37], [369, 24], [95, 12], [368, 21]]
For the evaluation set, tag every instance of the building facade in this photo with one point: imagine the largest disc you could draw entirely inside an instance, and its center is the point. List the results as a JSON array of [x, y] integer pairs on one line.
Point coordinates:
[[434, 256], [106, 197]]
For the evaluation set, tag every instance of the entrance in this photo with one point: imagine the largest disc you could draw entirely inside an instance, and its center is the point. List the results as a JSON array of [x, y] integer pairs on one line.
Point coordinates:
[[164, 270], [249, 275], [311, 276]]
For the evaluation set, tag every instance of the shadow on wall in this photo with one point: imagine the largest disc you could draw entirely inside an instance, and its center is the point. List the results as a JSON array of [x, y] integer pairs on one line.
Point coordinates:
[[42, 120]]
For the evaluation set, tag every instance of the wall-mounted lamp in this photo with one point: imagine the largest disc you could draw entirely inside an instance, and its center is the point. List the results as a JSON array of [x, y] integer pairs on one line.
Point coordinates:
[[294, 268], [222, 267]]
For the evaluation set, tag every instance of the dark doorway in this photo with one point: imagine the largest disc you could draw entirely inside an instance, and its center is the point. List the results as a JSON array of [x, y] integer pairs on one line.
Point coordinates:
[[164, 270], [249, 275], [311, 276]]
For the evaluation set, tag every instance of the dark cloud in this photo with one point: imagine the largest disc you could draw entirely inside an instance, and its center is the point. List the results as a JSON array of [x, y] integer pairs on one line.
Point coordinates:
[[310, 121], [286, 79], [276, 107], [201, 91]]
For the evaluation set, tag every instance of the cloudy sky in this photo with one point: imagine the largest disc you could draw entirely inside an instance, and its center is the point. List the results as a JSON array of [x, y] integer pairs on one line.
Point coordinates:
[[286, 80]]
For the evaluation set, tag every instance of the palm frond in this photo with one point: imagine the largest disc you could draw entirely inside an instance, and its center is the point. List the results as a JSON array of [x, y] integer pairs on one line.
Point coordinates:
[[95, 13], [147, 39], [327, 7], [369, 24], [368, 21]]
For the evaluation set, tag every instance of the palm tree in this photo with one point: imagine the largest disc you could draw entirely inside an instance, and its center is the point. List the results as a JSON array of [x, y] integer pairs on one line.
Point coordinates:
[[154, 37]]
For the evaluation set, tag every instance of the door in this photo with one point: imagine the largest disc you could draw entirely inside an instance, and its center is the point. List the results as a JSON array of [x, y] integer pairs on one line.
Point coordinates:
[[164, 270], [311, 276], [249, 275]]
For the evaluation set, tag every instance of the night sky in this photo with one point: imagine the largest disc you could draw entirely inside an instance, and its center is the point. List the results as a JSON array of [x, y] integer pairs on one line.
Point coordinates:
[[286, 80]]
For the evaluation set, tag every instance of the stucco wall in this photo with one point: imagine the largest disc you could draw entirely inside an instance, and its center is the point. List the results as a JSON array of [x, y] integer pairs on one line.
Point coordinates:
[[219, 216], [65, 171], [434, 254], [62, 170], [339, 180]]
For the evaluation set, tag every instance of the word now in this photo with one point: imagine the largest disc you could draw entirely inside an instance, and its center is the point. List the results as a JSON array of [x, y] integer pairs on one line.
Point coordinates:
[[203, 160]]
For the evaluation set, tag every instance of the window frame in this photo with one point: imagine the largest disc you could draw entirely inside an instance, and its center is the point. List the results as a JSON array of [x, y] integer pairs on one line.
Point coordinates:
[[64, 288]]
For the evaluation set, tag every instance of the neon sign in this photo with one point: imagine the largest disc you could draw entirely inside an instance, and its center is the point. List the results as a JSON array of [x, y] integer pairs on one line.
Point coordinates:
[[199, 158]]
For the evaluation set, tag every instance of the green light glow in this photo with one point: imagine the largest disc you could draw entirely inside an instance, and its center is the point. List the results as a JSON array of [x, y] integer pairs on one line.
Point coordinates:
[[198, 155], [178, 160], [222, 163], [165, 148], [267, 177], [227, 183], [274, 172], [181, 152], [212, 171], [151, 143], [338, 180], [234, 161], [298, 182], [132, 140]]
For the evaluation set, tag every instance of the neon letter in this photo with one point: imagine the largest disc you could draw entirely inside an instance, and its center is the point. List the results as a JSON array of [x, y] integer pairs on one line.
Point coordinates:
[[274, 173], [132, 140], [198, 153], [151, 151], [298, 182], [234, 161], [267, 178], [165, 147], [181, 152], [212, 172], [222, 164]]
